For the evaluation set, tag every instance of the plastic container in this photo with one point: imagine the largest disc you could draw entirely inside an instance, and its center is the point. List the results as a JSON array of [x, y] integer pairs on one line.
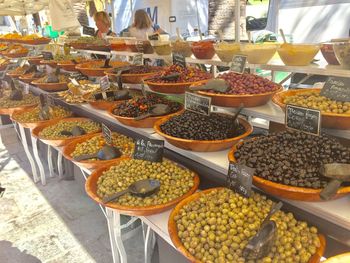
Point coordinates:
[[226, 51], [328, 53], [181, 47], [342, 52], [259, 53], [298, 54], [162, 48], [203, 49]]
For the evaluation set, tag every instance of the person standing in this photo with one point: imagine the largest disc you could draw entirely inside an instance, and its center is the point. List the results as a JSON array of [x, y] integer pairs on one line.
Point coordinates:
[[103, 24]]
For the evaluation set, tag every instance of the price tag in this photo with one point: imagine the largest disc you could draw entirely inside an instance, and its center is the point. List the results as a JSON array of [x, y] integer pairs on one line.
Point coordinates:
[[88, 31], [240, 178], [47, 55], [107, 134], [197, 103], [149, 150], [179, 59], [238, 64], [104, 83], [138, 59], [303, 119], [337, 88]]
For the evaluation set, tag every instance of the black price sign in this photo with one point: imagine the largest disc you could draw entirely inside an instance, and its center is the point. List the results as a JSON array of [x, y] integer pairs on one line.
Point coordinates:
[[88, 30], [197, 103], [179, 59], [149, 150], [47, 55], [238, 64], [240, 179], [107, 134], [303, 119], [138, 59], [153, 37], [104, 83], [337, 88]]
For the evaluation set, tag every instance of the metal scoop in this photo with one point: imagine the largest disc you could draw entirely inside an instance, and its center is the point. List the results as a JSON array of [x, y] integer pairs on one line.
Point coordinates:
[[142, 188], [76, 131], [155, 110], [339, 172], [44, 113], [219, 85], [260, 244], [107, 152], [235, 120]]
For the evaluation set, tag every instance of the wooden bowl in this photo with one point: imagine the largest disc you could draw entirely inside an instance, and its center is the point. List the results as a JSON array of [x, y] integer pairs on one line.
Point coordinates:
[[50, 63], [286, 191], [106, 48], [78, 45], [69, 149], [200, 145], [249, 100], [91, 190], [94, 68], [51, 86], [35, 60], [15, 55], [130, 78], [9, 111], [58, 142], [30, 125], [172, 88], [172, 228], [328, 120], [342, 258]]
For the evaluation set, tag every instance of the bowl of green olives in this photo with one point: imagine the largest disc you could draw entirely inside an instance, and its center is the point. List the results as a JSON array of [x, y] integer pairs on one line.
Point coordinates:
[[93, 143], [29, 117], [176, 183], [215, 225], [335, 114], [8, 106], [50, 132]]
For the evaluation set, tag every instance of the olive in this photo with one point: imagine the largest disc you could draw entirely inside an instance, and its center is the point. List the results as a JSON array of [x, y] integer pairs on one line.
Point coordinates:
[[33, 115], [28, 99]]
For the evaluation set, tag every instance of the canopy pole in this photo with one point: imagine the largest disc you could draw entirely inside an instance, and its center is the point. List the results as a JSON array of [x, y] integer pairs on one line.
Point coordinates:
[[198, 23], [132, 11], [237, 20]]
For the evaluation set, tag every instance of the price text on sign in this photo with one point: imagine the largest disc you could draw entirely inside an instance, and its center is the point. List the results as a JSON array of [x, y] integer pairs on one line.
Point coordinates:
[[104, 83], [138, 59], [107, 134], [337, 88], [149, 150], [179, 59], [303, 119], [88, 30], [240, 179], [238, 64], [197, 103]]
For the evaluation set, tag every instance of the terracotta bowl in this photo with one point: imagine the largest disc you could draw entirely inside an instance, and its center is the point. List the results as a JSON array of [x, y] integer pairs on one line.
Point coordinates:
[[39, 41], [342, 258], [91, 190], [69, 149], [249, 100], [26, 79], [9, 111], [16, 55], [78, 45], [67, 66], [51, 86], [286, 191], [29, 125], [145, 123], [57, 142], [35, 60], [328, 120], [130, 78], [172, 228], [202, 146], [172, 88], [94, 68], [50, 63]]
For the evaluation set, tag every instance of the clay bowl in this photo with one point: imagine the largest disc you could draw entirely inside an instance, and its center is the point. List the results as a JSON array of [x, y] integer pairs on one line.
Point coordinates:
[[342, 258], [9, 111], [249, 100], [91, 190], [69, 149], [57, 142], [14, 75], [51, 86], [94, 68], [67, 65], [27, 80], [29, 125], [145, 123], [172, 228], [328, 120], [286, 191], [202, 146], [171, 88], [15, 55], [35, 60], [50, 63], [39, 41], [130, 78]]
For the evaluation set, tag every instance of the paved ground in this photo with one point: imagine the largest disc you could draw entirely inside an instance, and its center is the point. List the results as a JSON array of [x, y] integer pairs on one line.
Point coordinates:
[[56, 223]]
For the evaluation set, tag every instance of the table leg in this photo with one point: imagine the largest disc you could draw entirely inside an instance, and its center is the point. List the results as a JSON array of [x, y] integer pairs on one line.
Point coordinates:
[[149, 242], [60, 165], [110, 224], [49, 160], [29, 155], [118, 237], [38, 160]]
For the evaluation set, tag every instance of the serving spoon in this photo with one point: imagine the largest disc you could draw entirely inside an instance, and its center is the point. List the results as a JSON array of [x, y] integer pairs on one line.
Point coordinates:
[[107, 152], [155, 110]]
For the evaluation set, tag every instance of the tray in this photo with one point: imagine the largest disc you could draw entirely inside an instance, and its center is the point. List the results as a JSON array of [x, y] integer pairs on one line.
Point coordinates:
[[172, 228], [286, 191], [27, 80], [39, 41], [51, 86], [86, 69], [342, 258], [200, 145], [328, 120], [58, 142], [91, 190], [172, 88]]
